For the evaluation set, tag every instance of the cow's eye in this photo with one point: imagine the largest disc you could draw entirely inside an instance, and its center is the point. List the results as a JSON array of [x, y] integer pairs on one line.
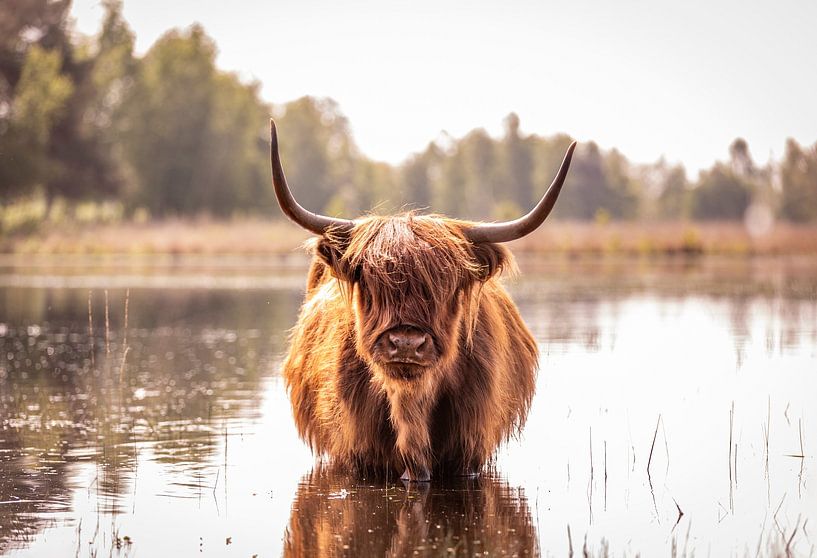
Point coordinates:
[[426, 293]]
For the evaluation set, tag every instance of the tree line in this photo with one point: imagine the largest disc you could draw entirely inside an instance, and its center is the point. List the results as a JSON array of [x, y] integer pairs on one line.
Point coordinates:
[[168, 133]]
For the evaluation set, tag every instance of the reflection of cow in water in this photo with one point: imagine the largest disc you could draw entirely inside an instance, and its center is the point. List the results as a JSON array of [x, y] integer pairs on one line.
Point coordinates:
[[409, 355], [335, 515]]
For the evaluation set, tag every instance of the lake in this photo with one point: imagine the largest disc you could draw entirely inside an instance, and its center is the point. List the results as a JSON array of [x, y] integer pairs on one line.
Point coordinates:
[[143, 414]]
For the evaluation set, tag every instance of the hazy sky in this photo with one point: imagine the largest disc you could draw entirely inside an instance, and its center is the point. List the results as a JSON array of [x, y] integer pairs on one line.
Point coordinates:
[[681, 78]]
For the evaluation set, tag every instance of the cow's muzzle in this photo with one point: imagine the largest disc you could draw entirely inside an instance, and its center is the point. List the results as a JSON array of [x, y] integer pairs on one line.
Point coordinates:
[[405, 345]]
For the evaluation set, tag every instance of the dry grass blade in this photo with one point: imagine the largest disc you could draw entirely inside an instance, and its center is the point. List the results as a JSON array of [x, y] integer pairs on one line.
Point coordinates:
[[731, 457], [122, 364], [107, 327], [652, 447], [680, 514], [125, 338], [91, 327], [649, 462], [125, 331], [776, 511], [590, 483], [605, 475], [791, 538]]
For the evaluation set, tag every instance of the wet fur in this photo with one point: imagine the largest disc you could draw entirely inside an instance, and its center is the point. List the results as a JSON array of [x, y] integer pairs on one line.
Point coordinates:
[[448, 418]]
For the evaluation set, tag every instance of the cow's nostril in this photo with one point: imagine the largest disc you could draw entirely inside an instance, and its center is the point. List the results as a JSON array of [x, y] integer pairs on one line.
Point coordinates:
[[395, 341], [420, 349]]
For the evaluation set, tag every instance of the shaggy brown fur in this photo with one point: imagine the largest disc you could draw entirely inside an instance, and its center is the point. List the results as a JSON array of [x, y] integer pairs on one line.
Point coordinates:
[[448, 416]]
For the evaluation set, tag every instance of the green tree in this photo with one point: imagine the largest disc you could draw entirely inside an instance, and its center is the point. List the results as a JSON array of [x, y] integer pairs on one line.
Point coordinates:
[[319, 155], [518, 165], [672, 203], [727, 189], [671, 190], [720, 195], [417, 178], [165, 120], [624, 191], [23, 24], [33, 91], [235, 168], [376, 186], [192, 135], [50, 123], [798, 179], [587, 190], [40, 98], [449, 192], [112, 75], [85, 138], [741, 159], [480, 164], [547, 155]]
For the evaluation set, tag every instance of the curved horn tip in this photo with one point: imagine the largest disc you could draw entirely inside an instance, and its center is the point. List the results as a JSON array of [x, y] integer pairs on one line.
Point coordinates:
[[273, 132], [512, 230], [568, 156], [570, 149], [313, 222]]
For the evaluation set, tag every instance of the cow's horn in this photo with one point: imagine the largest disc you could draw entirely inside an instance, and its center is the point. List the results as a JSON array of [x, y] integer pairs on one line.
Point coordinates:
[[511, 230], [318, 224]]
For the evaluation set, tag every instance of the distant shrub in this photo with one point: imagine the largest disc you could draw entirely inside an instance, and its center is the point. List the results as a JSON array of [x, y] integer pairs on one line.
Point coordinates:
[[23, 216], [691, 242]]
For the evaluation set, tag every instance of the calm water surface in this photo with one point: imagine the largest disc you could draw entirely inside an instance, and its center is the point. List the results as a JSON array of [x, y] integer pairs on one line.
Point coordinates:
[[676, 406]]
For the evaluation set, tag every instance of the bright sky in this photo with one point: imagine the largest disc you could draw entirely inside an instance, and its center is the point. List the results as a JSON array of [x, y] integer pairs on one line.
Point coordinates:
[[651, 78]]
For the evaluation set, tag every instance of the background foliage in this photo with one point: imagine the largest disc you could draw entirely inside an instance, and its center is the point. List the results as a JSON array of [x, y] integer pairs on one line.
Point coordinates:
[[169, 134]]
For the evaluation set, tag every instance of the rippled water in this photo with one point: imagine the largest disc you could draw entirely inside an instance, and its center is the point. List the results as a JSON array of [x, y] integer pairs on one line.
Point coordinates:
[[676, 406]]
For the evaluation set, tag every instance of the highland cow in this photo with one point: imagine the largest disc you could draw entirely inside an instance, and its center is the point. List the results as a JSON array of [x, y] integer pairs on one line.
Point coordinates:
[[409, 356]]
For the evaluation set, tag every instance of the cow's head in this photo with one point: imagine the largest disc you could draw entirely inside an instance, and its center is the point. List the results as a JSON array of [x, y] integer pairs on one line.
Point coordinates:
[[412, 279]]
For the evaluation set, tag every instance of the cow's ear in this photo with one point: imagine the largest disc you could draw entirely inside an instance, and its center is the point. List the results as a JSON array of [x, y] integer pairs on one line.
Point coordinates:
[[492, 258], [332, 255]]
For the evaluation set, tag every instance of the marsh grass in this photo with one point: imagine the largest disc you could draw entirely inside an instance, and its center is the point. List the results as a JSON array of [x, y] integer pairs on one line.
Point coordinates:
[[667, 238], [171, 237], [264, 237]]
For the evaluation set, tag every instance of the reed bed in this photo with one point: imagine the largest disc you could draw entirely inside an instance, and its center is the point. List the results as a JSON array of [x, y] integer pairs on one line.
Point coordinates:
[[260, 237]]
